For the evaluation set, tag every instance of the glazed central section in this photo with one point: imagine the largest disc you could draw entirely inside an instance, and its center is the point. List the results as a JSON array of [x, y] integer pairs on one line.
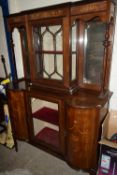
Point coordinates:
[[48, 47], [64, 51]]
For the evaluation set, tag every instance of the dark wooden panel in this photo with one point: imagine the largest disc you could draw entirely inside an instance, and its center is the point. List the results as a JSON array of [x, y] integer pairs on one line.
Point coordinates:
[[82, 128], [17, 106]]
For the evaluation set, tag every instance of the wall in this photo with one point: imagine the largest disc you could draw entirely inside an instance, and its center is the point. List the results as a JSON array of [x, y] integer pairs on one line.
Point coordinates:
[[3, 46], [17, 6]]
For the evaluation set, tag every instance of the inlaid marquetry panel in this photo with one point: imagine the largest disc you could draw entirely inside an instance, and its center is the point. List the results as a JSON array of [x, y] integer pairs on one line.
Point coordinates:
[[88, 8], [48, 14]]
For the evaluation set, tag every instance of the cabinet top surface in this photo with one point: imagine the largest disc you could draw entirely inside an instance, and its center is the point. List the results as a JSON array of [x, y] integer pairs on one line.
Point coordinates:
[[80, 99], [85, 99], [67, 4]]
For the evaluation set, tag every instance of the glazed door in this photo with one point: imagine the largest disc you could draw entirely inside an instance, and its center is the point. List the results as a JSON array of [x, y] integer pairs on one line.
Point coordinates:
[[92, 50], [50, 63]]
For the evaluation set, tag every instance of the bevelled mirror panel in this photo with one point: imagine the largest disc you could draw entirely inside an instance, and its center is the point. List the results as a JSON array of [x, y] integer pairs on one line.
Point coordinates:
[[48, 47], [25, 52], [73, 57], [18, 52], [94, 52]]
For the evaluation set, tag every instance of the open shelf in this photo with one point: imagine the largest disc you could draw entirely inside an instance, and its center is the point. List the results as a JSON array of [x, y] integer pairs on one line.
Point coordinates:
[[47, 114], [45, 117], [49, 136]]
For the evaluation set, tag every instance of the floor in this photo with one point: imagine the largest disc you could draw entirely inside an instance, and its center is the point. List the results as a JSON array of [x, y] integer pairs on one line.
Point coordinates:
[[35, 160]]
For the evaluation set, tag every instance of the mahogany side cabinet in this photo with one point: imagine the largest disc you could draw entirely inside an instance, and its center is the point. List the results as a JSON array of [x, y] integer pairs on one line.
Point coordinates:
[[61, 98]]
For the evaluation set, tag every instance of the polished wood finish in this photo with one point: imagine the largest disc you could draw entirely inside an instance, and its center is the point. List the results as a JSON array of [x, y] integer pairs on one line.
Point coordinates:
[[82, 105], [80, 119], [84, 122], [18, 114]]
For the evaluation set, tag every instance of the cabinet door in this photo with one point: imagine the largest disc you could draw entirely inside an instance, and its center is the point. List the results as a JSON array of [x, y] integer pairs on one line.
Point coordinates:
[[91, 53], [82, 129], [18, 113]]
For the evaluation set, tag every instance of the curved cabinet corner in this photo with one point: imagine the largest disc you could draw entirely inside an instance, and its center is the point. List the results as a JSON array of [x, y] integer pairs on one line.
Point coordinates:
[[83, 133]]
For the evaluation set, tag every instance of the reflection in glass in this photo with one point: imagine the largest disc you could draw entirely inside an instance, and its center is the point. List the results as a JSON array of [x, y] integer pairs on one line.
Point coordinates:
[[48, 68], [58, 72], [73, 66], [94, 52], [26, 53], [74, 37], [53, 70], [18, 52], [59, 45], [48, 46], [48, 43], [73, 61]]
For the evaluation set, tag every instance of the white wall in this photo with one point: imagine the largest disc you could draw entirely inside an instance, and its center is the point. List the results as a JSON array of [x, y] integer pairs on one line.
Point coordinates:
[[20, 5], [13, 6], [3, 46], [17, 6]]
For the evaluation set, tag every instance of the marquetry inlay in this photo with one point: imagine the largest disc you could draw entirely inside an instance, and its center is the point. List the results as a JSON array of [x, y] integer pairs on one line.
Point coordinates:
[[18, 19], [45, 14], [88, 8]]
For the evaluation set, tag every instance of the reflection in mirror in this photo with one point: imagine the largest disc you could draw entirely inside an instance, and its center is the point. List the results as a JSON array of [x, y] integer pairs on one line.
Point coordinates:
[[94, 52], [18, 53], [74, 37], [25, 52], [48, 47]]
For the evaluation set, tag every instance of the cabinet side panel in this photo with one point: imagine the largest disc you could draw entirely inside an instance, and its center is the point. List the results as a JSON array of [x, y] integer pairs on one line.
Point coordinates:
[[17, 107], [82, 129]]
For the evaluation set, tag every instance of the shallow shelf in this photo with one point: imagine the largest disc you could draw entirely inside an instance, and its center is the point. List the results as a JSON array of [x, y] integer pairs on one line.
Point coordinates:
[[47, 114], [49, 136]]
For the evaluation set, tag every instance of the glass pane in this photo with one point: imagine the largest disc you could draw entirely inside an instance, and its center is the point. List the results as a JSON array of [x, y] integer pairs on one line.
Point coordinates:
[[38, 64], [59, 44], [48, 43], [26, 53], [74, 37], [48, 38], [54, 29], [48, 47], [18, 53], [94, 52], [73, 66], [45, 120], [36, 39], [48, 68], [58, 72], [43, 29], [52, 66]]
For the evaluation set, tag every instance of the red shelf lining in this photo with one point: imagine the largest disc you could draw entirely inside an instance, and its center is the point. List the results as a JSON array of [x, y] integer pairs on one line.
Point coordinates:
[[49, 136], [47, 114]]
